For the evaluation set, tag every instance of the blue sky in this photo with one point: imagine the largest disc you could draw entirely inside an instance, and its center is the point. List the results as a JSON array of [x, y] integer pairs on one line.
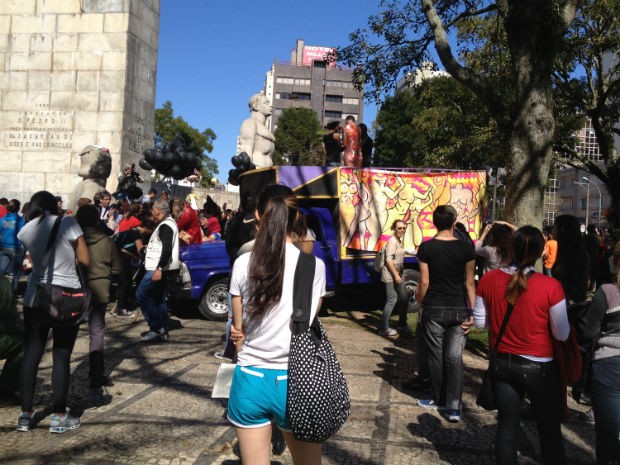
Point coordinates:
[[214, 55]]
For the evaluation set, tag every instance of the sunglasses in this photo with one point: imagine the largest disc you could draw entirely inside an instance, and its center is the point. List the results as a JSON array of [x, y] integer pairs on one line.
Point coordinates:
[[401, 228]]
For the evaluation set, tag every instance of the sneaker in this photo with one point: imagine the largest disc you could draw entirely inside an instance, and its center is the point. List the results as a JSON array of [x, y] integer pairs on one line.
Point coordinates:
[[25, 421], [453, 416], [60, 424], [388, 332], [220, 356], [150, 336], [428, 403], [418, 383], [122, 313], [163, 334]]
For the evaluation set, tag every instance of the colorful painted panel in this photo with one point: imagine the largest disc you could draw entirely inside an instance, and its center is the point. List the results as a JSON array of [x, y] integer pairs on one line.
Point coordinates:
[[371, 200]]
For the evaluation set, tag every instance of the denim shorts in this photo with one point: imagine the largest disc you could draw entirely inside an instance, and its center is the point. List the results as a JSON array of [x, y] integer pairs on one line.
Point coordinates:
[[258, 397]]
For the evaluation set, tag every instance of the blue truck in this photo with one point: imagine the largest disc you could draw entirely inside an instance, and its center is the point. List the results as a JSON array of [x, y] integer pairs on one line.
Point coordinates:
[[350, 211]]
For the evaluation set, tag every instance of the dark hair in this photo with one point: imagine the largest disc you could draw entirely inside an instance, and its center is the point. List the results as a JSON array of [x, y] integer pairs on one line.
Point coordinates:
[[395, 222], [41, 202], [211, 208], [14, 206], [363, 129], [87, 216], [444, 217], [152, 190], [332, 125], [572, 262], [526, 248], [499, 237], [277, 208]]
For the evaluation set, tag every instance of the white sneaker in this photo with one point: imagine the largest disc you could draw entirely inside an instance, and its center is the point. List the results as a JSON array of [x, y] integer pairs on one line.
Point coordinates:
[[388, 332]]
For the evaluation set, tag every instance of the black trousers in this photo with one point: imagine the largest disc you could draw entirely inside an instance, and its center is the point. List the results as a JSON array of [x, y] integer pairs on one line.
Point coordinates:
[[36, 333]]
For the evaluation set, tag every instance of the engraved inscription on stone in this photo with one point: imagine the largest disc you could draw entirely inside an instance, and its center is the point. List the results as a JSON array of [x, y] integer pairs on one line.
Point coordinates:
[[136, 135], [40, 129]]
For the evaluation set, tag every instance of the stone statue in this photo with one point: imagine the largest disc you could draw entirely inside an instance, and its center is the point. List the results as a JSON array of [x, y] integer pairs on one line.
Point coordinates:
[[95, 168], [254, 137]]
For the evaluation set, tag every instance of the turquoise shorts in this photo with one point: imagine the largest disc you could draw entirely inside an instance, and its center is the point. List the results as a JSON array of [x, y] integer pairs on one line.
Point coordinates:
[[258, 398]]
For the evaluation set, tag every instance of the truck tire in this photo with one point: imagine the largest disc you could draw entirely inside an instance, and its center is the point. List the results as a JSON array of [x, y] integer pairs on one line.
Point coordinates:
[[214, 302], [412, 277]]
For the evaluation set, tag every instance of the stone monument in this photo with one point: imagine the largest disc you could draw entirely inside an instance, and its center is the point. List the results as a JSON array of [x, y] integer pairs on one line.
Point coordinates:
[[75, 73], [254, 137]]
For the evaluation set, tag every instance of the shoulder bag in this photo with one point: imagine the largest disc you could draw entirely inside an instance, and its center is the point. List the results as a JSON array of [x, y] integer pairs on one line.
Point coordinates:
[[64, 306], [317, 403], [379, 262]]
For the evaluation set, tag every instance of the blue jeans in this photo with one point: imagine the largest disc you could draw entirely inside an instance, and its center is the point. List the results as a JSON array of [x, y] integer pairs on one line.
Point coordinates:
[[605, 396], [11, 263], [514, 376], [445, 341], [396, 295], [151, 297]]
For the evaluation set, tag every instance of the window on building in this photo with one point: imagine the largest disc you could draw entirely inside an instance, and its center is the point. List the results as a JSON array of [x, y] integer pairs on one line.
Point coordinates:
[[333, 114], [285, 80], [302, 82], [292, 95], [350, 101], [334, 98], [583, 203]]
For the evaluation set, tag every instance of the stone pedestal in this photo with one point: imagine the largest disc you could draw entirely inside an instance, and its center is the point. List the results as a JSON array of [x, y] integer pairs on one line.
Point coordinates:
[[75, 72]]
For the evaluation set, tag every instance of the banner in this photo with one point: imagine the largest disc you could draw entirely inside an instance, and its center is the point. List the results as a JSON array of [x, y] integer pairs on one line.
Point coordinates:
[[372, 199]]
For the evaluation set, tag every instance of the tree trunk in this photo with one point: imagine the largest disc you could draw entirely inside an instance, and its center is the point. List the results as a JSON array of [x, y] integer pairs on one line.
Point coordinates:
[[530, 159]]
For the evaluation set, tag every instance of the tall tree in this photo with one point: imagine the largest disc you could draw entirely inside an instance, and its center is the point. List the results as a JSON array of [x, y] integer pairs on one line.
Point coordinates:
[[168, 126], [438, 123], [587, 80], [298, 138], [518, 95]]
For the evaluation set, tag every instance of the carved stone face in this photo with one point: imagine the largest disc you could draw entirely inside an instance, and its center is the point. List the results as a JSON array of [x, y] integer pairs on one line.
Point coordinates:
[[95, 163], [260, 103]]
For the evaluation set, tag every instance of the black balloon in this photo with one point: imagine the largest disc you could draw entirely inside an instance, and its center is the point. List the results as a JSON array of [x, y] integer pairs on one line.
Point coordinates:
[[145, 165], [173, 159]]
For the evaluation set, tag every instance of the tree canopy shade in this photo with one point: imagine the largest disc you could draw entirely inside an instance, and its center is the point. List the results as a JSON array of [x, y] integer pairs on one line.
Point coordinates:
[[168, 126], [438, 123], [587, 82], [517, 95], [298, 138]]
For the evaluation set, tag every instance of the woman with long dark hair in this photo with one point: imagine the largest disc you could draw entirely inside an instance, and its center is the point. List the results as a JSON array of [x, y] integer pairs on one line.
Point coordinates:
[[68, 247], [572, 263], [602, 328], [523, 363], [262, 301]]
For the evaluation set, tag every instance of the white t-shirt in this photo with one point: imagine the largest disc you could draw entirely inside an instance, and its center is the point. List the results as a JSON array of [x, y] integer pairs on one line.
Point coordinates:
[[34, 235], [267, 342]]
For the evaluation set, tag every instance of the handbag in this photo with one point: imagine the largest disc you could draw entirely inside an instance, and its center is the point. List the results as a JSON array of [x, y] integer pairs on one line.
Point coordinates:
[[379, 262], [64, 306], [486, 395], [317, 403]]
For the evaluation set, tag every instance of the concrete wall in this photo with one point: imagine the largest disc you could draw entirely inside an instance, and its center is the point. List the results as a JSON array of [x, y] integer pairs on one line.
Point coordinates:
[[73, 73]]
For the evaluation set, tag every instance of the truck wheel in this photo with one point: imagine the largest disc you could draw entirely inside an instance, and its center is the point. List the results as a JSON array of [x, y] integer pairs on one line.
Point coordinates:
[[412, 277], [214, 302]]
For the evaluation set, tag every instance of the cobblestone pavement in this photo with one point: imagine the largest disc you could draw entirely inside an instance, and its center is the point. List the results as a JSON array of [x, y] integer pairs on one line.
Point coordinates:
[[160, 410]]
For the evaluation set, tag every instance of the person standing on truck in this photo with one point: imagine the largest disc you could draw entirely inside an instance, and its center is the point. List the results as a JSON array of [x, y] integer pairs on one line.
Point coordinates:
[[161, 261], [331, 144], [447, 294], [392, 276]]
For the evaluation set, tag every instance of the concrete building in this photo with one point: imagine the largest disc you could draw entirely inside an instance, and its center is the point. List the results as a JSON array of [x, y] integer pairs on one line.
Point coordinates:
[[74, 73], [578, 192], [306, 81], [427, 70]]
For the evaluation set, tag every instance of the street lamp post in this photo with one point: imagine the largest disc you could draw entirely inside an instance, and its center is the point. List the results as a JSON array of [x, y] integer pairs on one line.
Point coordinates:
[[599, 198], [587, 188]]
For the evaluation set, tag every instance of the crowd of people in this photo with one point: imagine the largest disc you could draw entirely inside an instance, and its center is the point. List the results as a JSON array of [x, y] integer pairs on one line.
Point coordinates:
[[488, 284], [133, 244], [526, 314]]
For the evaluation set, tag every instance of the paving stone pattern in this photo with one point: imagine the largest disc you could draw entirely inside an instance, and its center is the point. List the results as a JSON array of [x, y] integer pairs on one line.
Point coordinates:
[[160, 410]]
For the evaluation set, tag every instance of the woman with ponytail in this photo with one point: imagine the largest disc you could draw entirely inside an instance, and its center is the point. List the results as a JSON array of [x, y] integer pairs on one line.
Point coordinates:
[[262, 301], [523, 362]]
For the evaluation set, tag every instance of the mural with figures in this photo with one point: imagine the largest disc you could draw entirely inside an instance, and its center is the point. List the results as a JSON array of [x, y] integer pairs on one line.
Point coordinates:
[[372, 199]]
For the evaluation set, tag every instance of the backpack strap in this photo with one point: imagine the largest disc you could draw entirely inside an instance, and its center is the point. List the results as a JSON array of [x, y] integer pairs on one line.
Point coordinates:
[[302, 292]]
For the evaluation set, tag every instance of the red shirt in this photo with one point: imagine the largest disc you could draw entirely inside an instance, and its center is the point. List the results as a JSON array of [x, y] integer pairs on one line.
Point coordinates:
[[213, 225], [528, 331], [188, 222], [128, 223]]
